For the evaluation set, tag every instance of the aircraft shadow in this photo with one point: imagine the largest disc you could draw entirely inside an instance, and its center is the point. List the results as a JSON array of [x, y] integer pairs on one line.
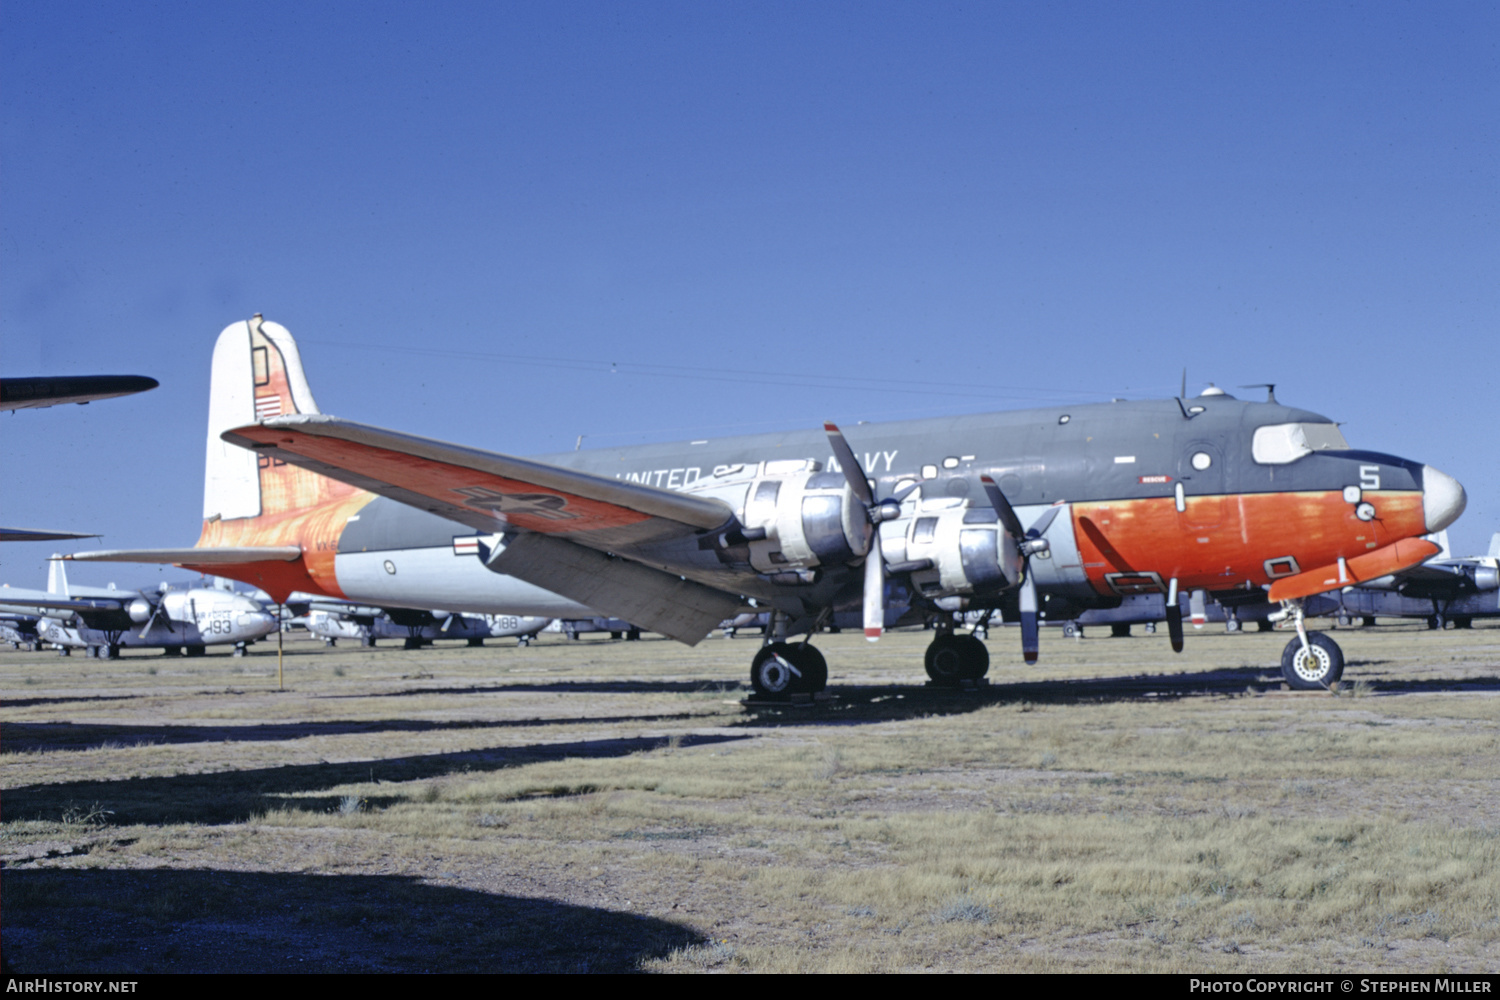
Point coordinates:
[[170, 920], [568, 687], [859, 704], [235, 796], [21, 737]]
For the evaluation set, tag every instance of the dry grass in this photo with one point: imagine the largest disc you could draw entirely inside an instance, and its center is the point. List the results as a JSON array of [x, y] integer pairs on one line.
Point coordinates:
[[615, 806]]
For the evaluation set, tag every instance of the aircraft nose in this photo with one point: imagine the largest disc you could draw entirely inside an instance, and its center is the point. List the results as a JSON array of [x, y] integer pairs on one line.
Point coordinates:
[[1443, 498]]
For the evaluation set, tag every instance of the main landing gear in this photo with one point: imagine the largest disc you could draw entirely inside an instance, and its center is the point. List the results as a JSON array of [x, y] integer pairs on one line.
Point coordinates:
[[782, 669], [953, 658]]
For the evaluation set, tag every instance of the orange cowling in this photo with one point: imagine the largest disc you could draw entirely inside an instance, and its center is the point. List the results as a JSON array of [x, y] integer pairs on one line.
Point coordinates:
[[1382, 562]]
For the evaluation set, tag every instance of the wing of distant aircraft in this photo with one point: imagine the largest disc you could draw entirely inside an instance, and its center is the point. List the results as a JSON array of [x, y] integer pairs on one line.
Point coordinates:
[[34, 393], [29, 535]]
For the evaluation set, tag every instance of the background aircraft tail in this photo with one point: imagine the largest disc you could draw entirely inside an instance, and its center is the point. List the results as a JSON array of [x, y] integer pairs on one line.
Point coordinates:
[[57, 577]]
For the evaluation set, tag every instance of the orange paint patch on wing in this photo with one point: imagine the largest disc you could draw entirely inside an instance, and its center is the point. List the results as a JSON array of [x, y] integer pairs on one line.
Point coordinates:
[[1222, 542], [508, 501]]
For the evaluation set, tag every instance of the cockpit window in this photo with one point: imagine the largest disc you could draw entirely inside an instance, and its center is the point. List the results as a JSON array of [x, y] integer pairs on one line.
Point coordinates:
[[1278, 444]]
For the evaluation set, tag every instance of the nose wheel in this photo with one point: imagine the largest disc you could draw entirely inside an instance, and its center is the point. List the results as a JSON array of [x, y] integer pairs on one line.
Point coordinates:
[[1316, 666]]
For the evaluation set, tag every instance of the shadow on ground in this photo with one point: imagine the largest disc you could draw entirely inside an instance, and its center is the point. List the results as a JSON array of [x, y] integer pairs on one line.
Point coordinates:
[[21, 737], [235, 796], [850, 704], [169, 920]]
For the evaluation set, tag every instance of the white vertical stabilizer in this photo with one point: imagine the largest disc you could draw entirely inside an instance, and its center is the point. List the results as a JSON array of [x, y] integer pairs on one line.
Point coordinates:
[[248, 384], [57, 577]]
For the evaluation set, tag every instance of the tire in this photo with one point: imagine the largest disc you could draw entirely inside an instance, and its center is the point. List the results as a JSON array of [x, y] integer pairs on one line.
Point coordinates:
[[1119, 630], [953, 658], [770, 677], [1319, 672]]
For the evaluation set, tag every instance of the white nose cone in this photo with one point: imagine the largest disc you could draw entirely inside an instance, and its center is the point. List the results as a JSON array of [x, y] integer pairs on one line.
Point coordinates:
[[1443, 499]]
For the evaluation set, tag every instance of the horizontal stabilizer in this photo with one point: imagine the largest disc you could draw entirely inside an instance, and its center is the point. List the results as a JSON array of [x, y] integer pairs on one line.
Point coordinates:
[[1349, 572], [662, 602], [229, 555], [485, 490]]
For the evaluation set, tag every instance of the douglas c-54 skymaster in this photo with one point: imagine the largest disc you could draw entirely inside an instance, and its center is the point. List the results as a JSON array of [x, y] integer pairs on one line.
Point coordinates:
[[1049, 511]]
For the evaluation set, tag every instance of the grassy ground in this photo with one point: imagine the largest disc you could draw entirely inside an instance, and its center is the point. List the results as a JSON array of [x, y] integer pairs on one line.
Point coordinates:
[[615, 806]]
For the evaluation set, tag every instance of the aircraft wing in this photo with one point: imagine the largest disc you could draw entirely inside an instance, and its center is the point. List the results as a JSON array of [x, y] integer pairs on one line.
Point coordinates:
[[564, 528], [29, 393], [46, 604], [32, 535], [227, 555], [485, 490]]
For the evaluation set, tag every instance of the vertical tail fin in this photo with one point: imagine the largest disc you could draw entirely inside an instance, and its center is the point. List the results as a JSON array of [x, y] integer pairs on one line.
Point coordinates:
[[254, 499], [257, 373], [57, 577]]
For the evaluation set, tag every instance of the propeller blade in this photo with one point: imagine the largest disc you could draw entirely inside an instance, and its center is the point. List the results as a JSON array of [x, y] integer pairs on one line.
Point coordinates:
[[1003, 508], [1030, 643], [853, 471], [874, 600], [1044, 522]]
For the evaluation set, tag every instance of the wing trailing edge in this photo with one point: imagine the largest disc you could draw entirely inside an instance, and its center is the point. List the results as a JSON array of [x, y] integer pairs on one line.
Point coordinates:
[[662, 602]]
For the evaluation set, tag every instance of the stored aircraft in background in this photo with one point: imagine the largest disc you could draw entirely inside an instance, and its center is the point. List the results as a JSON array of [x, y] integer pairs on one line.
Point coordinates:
[[32, 393], [1441, 590], [103, 620], [1023, 514], [55, 390], [335, 620]]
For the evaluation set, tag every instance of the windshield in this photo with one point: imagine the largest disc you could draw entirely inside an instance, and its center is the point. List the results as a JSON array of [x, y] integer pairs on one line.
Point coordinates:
[[1278, 444]]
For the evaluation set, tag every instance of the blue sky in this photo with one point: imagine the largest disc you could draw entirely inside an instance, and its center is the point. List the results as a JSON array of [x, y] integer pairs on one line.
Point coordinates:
[[511, 224]]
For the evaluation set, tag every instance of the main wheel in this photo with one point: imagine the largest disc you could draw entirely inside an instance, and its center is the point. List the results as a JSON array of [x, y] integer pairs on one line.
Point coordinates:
[[1119, 630], [1317, 667], [952, 658], [782, 669]]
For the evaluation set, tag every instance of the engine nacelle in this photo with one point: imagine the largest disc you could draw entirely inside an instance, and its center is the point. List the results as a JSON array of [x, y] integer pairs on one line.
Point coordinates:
[[796, 520], [967, 552]]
